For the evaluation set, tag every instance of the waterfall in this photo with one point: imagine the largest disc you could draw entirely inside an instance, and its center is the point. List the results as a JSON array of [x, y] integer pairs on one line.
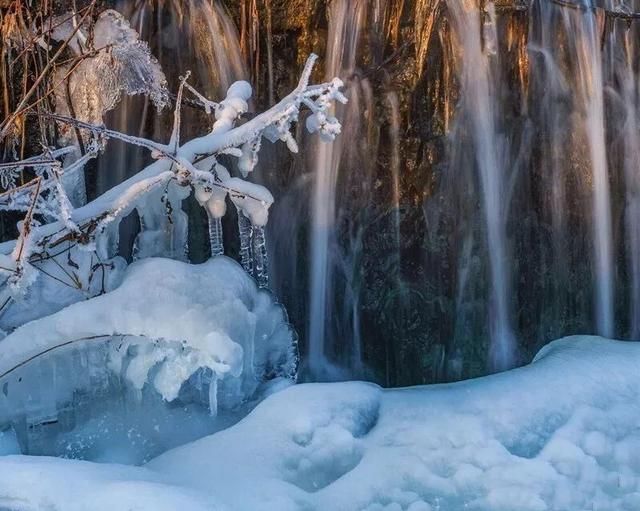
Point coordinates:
[[507, 130], [480, 104], [220, 46], [577, 67], [345, 22], [394, 138], [622, 83], [552, 110], [585, 27]]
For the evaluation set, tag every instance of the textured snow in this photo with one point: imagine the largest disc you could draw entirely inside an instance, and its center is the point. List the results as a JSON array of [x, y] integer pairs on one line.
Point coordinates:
[[560, 434], [252, 199]]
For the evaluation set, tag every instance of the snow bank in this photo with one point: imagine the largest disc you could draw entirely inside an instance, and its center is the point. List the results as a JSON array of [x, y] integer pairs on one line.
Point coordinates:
[[34, 484], [560, 434], [219, 317]]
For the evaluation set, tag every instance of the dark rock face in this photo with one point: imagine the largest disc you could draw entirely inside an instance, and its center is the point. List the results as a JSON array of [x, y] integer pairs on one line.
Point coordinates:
[[422, 298], [410, 325]]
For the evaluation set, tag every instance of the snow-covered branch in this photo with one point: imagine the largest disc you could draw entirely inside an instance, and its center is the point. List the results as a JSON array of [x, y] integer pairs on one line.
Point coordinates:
[[180, 166]]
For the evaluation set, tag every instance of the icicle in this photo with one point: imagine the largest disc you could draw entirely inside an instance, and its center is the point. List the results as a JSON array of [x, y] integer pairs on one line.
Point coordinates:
[[212, 199], [135, 251], [245, 229], [213, 396], [215, 236], [489, 29], [260, 256]]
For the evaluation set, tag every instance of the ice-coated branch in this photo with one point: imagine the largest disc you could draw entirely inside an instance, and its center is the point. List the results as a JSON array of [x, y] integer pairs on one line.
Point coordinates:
[[9, 171], [125, 202], [53, 200], [21, 274], [102, 131], [209, 106], [193, 163], [242, 141], [174, 142], [306, 72]]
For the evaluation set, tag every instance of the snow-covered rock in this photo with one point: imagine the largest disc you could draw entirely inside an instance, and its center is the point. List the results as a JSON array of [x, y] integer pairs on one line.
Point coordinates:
[[214, 310], [560, 434]]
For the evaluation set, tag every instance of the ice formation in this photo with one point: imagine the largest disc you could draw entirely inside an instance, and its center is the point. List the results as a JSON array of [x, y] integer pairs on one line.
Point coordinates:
[[560, 434], [161, 330], [122, 64], [143, 368], [213, 313], [212, 199]]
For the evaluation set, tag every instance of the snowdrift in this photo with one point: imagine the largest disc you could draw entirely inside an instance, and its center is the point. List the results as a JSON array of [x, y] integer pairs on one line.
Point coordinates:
[[560, 434]]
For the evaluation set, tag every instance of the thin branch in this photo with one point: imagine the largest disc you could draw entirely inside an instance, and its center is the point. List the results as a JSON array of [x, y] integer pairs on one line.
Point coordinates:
[[106, 132], [45, 272], [28, 219], [174, 141], [206, 103]]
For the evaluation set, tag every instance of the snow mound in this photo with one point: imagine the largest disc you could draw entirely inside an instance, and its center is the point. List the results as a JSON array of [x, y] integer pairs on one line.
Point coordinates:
[[212, 315], [560, 434]]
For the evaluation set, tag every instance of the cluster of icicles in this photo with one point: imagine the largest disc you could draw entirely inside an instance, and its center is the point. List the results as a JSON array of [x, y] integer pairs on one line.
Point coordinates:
[[252, 217]]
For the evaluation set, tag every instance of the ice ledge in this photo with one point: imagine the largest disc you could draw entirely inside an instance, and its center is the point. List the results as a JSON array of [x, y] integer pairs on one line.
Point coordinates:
[[214, 308]]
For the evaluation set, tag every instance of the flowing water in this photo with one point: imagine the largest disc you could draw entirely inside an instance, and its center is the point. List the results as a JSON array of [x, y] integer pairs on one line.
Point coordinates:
[[480, 108], [575, 73], [345, 22], [583, 25], [621, 76]]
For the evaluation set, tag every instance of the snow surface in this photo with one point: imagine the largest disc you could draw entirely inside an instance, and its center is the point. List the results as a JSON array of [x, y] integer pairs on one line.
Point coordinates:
[[35, 484], [560, 434]]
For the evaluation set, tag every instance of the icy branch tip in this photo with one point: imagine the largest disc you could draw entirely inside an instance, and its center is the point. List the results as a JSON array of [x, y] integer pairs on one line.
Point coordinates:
[[306, 72], [240, 89]]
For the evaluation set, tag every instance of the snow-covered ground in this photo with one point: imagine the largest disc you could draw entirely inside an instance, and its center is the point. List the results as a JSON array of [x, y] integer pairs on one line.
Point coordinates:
[[560, 434]]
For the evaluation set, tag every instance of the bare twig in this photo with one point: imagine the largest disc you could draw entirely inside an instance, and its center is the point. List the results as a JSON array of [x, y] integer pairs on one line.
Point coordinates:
[[6, 124]]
